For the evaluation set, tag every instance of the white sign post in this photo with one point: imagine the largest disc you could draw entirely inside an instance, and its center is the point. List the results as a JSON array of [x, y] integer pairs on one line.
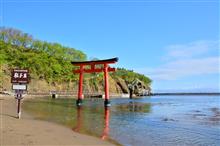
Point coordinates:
[[19, 79]]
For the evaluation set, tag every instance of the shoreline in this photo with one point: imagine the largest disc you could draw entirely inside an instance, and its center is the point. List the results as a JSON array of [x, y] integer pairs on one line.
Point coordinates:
[[28, 131], [186, 93]]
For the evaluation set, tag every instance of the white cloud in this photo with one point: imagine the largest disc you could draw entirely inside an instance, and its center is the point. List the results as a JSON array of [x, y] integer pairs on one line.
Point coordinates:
[[184, 68], [187, 60], [193, 49]]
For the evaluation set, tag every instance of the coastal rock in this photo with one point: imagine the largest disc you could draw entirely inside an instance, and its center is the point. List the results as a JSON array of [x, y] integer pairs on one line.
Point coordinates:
[[122, 85], [138, 88]]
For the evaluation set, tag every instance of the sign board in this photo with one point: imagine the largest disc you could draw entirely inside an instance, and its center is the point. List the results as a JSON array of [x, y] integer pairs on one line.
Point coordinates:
[[19, 87], [19, 76]]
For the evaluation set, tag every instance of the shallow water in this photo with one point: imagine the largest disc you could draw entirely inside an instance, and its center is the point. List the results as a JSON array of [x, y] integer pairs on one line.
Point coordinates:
[[157, 120]]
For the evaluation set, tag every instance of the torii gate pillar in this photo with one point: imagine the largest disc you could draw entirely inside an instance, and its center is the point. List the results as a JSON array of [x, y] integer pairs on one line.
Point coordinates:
[[93, 69]]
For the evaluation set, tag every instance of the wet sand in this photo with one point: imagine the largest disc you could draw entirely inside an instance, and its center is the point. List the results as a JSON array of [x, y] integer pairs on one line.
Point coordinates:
[[28, 131]]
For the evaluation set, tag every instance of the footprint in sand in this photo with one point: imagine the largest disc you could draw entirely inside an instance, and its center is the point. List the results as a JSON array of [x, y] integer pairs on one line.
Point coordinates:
[[27, 135]]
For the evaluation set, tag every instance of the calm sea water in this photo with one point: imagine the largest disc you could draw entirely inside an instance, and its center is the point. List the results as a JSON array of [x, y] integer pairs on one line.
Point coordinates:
[[158, 120]]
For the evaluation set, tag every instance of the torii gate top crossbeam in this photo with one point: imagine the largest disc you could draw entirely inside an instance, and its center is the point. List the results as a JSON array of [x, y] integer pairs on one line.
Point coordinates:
[[92, 64], [106, 61]]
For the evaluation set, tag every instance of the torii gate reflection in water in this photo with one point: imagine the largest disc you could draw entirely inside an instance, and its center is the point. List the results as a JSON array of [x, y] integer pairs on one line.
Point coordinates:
[[93, 69], [79, 123]]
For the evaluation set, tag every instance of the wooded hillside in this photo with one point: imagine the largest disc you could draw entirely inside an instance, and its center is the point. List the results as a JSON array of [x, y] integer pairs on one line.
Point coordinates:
[[50, 64]]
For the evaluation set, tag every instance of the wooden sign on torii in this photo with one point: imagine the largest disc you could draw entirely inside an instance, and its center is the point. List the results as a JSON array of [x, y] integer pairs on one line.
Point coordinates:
[[94, 69]]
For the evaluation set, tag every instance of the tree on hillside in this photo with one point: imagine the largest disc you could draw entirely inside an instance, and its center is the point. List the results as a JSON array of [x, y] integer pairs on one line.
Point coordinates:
[[129, 76], [49, 61], [15, 37]]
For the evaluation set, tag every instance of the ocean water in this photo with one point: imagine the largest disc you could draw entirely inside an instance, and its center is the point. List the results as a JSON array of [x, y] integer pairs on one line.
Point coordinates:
[[153, 121]]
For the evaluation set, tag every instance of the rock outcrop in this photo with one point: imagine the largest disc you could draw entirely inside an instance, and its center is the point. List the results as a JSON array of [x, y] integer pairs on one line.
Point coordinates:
[[138, 88]]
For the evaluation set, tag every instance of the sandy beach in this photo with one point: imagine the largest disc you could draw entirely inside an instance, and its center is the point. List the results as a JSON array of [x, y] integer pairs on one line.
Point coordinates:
[[28, 131]]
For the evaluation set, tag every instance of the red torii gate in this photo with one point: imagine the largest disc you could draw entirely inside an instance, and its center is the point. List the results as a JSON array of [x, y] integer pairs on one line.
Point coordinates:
[[94, 69]]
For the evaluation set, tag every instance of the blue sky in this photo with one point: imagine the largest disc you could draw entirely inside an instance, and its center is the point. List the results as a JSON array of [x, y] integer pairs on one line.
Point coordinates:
[[176, 43]]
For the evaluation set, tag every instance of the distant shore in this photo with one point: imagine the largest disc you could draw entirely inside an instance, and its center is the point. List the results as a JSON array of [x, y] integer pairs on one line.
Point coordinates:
[[28, 131], [183, 93]]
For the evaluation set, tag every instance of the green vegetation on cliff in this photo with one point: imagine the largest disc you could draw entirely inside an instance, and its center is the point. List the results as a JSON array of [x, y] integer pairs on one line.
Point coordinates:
[[130, 75], [48, 61]]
